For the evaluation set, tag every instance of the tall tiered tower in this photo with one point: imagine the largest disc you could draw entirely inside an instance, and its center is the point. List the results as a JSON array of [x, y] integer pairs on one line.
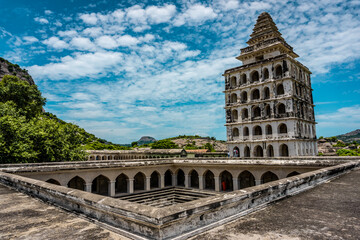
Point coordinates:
[[269, 105]]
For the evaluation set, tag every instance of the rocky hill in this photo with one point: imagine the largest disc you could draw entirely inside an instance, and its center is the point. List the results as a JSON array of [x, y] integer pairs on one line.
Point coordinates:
[[350, 136], [198, 142], [145, 140], [8, 68]]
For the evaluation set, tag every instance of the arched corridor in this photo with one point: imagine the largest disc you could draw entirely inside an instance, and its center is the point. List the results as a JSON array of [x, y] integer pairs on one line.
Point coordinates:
[[246, 179], [121, 184], [226, 181], [139, 181], [77, 183], [194, 179], [53, 181], [155, 180], [168, 178], [209, 180], [269, 177], [100, 185], [181, 178]]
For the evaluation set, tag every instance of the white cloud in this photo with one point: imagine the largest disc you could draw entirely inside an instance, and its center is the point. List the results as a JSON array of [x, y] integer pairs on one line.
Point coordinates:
[[195, 14], [160, 14], [41, 20], [107, 42], [68, 33], [30, 39], [82, 43], [127, 40], [93, 31], [48, 12], [78, 66], [56, 43], [136, 14], [89, 18]]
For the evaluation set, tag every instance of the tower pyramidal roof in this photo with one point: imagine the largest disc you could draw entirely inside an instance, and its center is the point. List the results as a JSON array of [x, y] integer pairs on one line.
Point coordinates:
[[264, 38]]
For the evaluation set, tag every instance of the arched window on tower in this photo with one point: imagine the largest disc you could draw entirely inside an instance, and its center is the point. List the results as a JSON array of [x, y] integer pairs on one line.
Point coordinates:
[[256, 112], [267, 111], [233, 98], [266, 93], [235, 132], [268, 130], [233, 82], [245, 114], [243, 78], [278, 71], [244, 97], [282, 128], [255, 94], [234, 115], [281, 108], [246, 131], [257, 130], [266, 74], [280, 89], [255, 76]]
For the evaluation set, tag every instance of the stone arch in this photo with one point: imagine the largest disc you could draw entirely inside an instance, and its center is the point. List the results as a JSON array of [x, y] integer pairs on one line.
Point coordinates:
[[255, 94], [257, 130], [246, 179], [270, 151], [282, 128], [100, 185], [98, 158], [278, 71], [254, 76], [233, 98], [194, 179], [233, 82], [266, 73], [243, 78], [269, 177], [236, 152], [209, 180], [226, 181], [77, 183], [246, 151], [280, 89], [180, 178], [246, 131], [256, 112], [284, 150], [268, 129], [245, 113], [266, 93], [155, 179], [53, 181], [281, 108], [168, 178], [244, 97], [258, 151], [235, 132], [139, 181], [294, 173], [234, 114], [121, 183]]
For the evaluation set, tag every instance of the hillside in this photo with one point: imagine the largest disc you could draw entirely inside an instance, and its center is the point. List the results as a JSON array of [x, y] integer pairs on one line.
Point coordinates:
[[350, 136], [196, 142], [8, 68]]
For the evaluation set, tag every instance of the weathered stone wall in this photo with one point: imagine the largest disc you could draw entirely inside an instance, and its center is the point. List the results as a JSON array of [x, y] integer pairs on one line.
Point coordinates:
[[169, 222]]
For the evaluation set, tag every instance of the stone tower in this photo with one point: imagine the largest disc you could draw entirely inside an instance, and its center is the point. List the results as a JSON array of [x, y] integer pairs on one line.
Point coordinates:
[[268, 100]]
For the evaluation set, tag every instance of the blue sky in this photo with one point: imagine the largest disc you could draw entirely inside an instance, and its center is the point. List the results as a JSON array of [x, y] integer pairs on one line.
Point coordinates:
[[125, 69]]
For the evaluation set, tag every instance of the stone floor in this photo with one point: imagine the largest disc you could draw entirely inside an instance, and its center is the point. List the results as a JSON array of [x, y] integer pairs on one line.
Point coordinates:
[[24, 217], [329, 211]]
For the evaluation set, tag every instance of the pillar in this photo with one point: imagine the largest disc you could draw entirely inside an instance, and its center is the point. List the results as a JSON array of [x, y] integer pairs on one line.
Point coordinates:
[[112, 188], [235, 184], [201, 182], [174, 178], [130, 188], [147, 188], [88, 186], [258, 182], [217, 184], [186, 180], [162, 181]]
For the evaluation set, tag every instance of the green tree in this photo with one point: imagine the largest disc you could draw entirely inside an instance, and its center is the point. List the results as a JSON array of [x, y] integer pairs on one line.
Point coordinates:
[[164, 144], [134, 144], [27, 98], [210, 147]]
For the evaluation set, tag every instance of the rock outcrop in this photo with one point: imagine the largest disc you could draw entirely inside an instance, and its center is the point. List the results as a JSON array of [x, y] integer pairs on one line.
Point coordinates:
[[145, 140], [8, 68]]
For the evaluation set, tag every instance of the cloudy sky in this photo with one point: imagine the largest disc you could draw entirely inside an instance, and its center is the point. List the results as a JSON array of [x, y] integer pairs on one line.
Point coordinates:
[[124, 69]]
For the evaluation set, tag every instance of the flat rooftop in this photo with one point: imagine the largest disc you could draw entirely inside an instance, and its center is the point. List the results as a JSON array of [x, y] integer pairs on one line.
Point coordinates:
[[328, 211]]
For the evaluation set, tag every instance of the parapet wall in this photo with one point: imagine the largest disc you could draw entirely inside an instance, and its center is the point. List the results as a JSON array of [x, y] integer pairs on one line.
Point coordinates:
[[181, 220]]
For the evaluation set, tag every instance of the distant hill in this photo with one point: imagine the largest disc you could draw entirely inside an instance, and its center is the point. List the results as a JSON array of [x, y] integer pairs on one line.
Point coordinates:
[[350, 136], [198, 142], [145, 140]]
